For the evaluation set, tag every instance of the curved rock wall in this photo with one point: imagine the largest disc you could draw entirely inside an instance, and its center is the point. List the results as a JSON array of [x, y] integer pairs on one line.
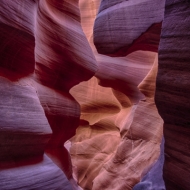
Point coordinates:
[[120, 132], [172, 93], [44, 52], [119, 23], [83, 73]]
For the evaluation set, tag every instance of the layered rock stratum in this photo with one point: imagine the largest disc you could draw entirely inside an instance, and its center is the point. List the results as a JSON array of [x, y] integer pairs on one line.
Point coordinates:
[[78, 85], [42, 57], [172, 93]]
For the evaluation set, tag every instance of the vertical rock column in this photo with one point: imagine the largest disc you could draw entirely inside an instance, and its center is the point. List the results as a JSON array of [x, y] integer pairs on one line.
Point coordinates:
[[63, 59], [172, 92], [37, 112], [24, 129]]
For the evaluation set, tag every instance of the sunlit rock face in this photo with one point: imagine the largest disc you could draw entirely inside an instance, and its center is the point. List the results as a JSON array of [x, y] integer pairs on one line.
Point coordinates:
[[77, 91], [117, 143], [172, 93]]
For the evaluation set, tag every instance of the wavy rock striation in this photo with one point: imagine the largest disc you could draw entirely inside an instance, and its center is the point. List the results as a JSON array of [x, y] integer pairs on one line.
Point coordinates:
[[153, 179], [44, 52], [83, 74], [116, 26], [172, 93], [120, 132], [61, 62]]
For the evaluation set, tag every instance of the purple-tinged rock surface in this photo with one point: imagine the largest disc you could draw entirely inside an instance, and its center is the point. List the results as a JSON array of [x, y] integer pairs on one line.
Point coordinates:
[[172, 93]]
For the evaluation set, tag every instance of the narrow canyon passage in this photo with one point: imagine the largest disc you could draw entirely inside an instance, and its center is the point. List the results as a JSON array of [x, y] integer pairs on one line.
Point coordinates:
[[78, 84]]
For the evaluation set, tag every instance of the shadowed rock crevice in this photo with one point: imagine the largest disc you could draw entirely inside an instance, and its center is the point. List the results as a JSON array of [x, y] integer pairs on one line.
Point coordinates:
[[77, 94], [37, 112], [172, 93]]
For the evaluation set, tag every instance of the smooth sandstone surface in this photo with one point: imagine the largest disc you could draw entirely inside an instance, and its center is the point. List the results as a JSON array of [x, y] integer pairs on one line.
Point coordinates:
[[172, 93], [78, 84], [153, 180], [117, 141], [119, 23], [28, 175], [42, 57], [24, 128]]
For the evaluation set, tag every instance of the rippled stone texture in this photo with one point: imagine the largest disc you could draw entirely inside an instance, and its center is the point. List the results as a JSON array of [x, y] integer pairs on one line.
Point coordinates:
[[120, 132], [119, 23], [172, 93], [36, 173], [44, 52], [153, 180], [89, 67]]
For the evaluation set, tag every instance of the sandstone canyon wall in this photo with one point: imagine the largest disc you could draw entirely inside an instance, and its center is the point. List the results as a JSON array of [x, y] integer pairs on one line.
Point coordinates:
[[112, 146], [172, 93], [83, 74], [41, 59]]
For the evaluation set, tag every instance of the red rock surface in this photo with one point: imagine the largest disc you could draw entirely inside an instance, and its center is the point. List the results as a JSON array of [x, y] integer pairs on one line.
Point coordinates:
[[42, 58], [120, 132], [57, 89]]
